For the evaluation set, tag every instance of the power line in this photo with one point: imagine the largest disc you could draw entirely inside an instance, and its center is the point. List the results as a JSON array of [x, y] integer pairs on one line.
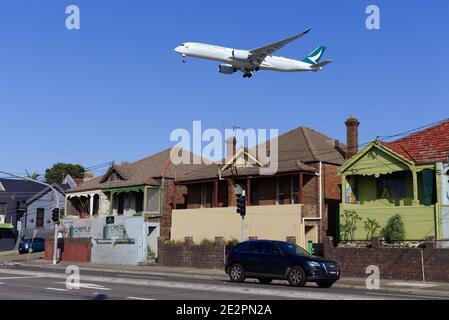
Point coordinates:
[[412, 130]]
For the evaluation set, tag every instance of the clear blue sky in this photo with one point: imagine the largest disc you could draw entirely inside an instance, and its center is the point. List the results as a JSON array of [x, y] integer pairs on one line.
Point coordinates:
[[115, 89]]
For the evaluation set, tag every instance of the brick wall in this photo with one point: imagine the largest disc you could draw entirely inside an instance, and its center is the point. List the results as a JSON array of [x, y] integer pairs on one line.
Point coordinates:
[[190, 255], [73, 250], [394, 263], [332, 182]]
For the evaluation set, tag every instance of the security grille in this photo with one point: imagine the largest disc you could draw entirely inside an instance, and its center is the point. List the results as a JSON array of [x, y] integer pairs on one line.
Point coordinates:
[[153, 203]]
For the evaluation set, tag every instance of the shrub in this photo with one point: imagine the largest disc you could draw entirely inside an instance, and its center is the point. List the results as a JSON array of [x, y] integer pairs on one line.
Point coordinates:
[[394, 230], [207, 242], [175, 243], [232, 242], [371, 226]]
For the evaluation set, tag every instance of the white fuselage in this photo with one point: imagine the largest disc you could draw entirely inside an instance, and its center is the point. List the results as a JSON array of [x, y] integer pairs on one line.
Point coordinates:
[[226, 55]]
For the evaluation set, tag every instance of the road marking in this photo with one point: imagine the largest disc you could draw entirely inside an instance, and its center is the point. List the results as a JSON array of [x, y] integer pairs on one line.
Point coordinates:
[[138, 298], [405, 295], [23, 277], [56, 289], [90, 286], [139, 277], [413, 284]]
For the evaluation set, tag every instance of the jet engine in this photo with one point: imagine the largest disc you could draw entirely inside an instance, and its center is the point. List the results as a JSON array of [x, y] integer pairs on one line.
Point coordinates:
[[240, 55], [226, 69]]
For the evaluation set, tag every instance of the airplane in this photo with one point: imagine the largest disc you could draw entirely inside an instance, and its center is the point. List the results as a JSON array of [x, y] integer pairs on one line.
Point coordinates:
[[251, 61]]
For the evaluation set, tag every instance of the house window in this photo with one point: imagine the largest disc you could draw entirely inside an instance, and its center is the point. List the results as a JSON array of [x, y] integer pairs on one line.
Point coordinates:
[[427, 187], [153, 200], [120, 203], [295, 190], [280, 196], [203, 196], [40, 215], [2, 212], [392, 186]]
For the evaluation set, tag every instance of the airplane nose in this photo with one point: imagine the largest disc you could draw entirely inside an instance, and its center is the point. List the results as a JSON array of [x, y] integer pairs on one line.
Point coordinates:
[[178, 50]]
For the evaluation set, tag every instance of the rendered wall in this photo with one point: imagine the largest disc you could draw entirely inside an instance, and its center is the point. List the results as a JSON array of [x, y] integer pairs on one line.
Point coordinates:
[[264, 222]]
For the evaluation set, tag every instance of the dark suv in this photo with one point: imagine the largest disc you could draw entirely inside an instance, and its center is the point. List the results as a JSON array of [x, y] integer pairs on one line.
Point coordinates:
[[267, 260]]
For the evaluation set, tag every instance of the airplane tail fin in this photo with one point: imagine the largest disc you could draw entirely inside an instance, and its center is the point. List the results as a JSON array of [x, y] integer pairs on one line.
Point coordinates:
[[315, 56]]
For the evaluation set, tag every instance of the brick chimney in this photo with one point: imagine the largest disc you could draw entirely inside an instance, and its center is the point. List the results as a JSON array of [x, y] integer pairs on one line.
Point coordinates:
[[352, 136]]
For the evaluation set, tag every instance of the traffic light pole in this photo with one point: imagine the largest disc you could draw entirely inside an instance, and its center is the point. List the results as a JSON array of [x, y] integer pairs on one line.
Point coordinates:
[[242, 231], [55, 247]]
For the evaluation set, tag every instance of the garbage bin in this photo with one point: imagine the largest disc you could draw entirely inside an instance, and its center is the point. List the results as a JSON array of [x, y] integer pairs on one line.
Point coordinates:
[[309, 246]]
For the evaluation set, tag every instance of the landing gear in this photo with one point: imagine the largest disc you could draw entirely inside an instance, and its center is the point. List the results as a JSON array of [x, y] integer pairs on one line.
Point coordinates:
[[184, 58], [247, 75]]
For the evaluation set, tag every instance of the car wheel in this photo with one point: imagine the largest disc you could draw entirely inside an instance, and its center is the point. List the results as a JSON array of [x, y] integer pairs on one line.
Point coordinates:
[[236, 273], [325, 283], [296, 277], [265, 280]]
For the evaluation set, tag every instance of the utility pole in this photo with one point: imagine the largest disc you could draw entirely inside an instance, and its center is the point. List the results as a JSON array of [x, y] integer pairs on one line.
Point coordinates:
[[55, 245]]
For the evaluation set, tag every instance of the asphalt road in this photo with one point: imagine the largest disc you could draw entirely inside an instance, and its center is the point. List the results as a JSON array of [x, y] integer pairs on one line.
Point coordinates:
[[28, 282]]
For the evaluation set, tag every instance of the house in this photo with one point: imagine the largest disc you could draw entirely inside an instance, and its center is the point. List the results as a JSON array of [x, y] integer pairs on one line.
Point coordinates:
[[143, 188], [408, 177], [38, 219], [13, 196], [300, 201]]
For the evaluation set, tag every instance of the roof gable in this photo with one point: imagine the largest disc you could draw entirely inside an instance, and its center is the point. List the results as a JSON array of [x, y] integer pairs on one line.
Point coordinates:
[[242, 159], [375, 159]]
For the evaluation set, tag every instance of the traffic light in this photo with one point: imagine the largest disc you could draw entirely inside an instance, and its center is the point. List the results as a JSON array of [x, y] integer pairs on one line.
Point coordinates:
[[241, 205], [55, 215]]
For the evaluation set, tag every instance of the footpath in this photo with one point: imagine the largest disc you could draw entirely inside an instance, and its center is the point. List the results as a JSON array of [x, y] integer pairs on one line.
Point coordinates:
[[12, 258]]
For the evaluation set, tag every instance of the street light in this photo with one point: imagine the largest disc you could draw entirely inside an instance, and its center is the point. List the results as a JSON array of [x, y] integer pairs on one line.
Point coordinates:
[[55, 245]]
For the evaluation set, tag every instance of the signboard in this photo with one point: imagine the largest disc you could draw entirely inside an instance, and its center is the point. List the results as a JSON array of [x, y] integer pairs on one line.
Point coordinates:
[[78, 229], [116, 232], [110, 220], [6, 226]]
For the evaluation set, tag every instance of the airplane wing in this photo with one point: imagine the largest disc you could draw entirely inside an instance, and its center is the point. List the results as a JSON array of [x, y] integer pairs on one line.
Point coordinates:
[[259, 54]]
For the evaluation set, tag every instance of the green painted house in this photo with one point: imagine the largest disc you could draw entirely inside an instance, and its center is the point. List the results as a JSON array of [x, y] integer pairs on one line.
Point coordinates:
[[408, 177]]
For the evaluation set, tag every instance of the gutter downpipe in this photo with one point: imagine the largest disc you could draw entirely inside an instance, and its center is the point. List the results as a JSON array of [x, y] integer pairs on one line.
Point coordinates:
[[320, 203]]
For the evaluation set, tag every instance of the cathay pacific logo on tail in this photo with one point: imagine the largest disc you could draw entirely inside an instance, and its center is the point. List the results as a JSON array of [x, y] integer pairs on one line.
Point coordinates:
[[315, 56]]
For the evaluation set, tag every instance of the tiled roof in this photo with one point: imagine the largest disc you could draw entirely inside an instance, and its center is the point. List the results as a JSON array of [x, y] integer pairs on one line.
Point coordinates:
[[147, 171], [426, 146], [297, 148]]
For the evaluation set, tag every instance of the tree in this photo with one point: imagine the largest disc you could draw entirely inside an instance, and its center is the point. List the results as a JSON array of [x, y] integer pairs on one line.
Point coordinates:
[[394, 230], [60, 170]]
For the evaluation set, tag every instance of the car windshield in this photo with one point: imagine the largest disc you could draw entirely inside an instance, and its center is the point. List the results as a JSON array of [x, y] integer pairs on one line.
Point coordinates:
[[290, 248]]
